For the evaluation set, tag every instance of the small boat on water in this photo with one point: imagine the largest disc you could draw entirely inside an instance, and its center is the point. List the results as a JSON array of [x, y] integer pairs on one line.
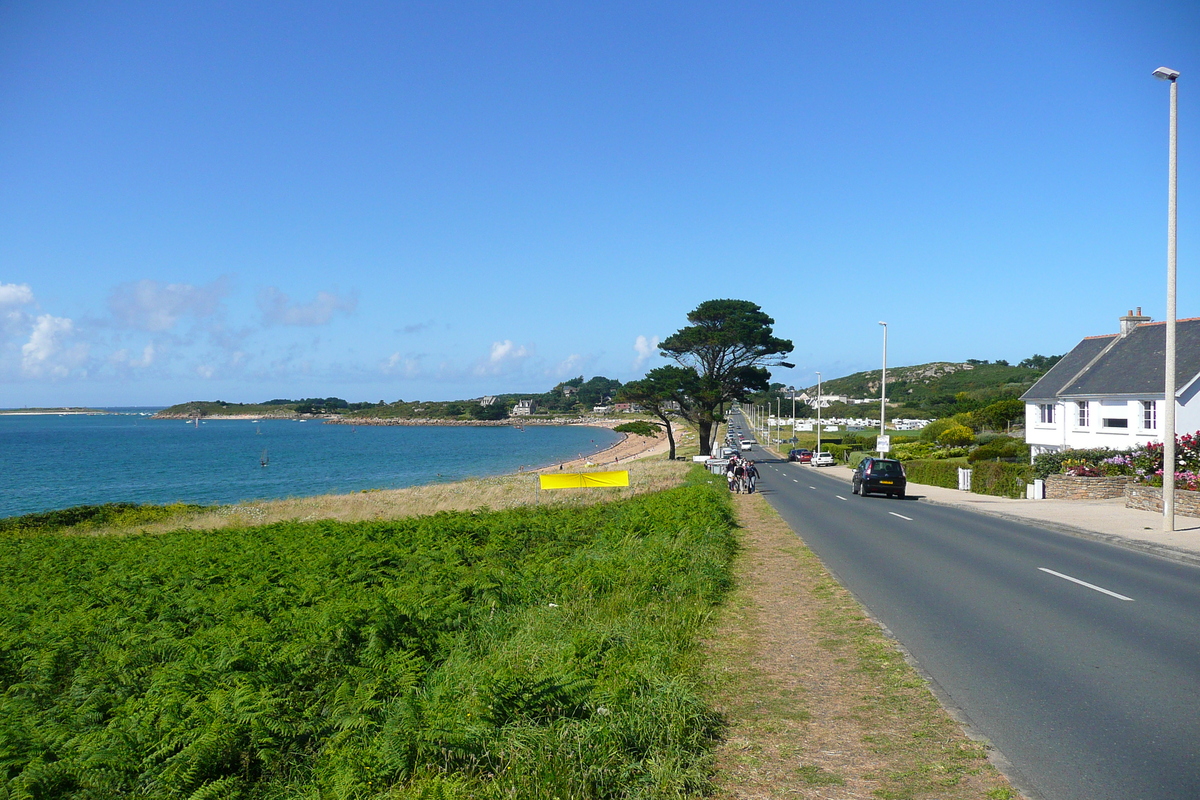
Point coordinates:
[[263, 460]]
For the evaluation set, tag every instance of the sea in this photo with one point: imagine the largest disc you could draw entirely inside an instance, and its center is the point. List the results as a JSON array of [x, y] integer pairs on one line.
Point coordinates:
[[50, 462]]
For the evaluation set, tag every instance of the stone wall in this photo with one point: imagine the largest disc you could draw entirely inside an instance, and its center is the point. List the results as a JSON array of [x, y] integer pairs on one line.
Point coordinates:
[[1149, 498], [1068, 487]]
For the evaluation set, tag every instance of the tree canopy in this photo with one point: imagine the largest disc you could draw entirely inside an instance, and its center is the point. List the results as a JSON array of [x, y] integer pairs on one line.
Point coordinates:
[[730, 345]]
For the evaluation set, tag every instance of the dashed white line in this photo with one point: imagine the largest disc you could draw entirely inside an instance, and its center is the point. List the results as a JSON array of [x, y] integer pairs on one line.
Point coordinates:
[[1085, 583], [839, 497], [812, 487], [901, 516]]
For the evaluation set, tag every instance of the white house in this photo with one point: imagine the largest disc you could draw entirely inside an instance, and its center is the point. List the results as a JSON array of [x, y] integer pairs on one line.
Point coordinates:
[[1108, 391]]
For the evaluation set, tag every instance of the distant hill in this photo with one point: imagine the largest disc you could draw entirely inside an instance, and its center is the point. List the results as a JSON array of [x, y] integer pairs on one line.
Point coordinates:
[[942, 386], [939, 377]]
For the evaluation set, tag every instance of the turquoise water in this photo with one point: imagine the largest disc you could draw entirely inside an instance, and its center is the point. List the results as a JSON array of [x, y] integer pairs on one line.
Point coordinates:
[[52, 462]]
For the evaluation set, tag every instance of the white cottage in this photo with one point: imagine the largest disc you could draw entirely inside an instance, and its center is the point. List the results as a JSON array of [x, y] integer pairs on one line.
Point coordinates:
[[1108, 391]]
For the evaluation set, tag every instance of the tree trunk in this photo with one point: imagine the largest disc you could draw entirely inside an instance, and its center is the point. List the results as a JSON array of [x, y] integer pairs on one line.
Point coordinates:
[[670, 439], [706, 428]]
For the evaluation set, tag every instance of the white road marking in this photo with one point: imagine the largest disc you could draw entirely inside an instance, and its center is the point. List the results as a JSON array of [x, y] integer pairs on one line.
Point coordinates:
[[1085, 583], [901, 516], [812, 487], [795, 481], [839, 497]]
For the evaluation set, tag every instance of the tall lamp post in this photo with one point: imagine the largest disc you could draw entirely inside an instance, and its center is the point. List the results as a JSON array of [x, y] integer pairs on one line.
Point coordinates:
[[1163, 73], [883, 383], [818, 412], [792, 391]]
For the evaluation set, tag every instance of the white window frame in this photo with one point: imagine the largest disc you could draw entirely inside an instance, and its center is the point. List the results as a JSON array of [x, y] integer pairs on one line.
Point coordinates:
[[1047, 413], [1150, 414], [1081, 418]]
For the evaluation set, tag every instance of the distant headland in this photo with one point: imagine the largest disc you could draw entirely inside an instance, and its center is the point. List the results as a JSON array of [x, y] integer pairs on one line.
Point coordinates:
[[18, 412]]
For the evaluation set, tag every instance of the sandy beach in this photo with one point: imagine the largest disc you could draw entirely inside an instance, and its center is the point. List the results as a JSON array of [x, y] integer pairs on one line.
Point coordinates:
[[630, 446]]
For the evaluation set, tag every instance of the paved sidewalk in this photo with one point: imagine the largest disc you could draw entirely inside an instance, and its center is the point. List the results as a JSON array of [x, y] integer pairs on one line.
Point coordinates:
[[1106, 520]]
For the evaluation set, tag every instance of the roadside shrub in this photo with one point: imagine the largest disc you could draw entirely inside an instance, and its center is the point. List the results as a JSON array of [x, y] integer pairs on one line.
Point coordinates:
[[838, 451], [935, 472], [1000, 479], [934, 429], [639, 427], [956, 436], [855, 457], [1005, 448], [910, 451], [1047, 464]]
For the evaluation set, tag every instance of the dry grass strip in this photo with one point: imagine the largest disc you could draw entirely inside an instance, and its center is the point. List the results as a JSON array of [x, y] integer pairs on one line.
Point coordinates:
[[820, 703], [503, 491]]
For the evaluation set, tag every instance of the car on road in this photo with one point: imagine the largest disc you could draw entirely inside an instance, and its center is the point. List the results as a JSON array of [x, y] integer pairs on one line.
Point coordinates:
[[747, 444], [823, 460], [800, 455], [879, 476]]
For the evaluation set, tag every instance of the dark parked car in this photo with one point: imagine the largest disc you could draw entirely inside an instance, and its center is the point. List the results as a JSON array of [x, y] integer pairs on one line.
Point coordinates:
[[801, 454], [879, 476]]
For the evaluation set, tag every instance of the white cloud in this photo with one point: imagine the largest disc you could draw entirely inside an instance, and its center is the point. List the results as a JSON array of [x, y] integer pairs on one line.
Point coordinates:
[[121, 357], [277, 309], [153, 306], [568, 364], [504, 357], [48, 353], [645, 349], [206, 371], [396, 364], [15, 294]]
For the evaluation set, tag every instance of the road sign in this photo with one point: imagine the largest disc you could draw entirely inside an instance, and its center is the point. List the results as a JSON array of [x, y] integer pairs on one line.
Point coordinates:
[[883, 444]]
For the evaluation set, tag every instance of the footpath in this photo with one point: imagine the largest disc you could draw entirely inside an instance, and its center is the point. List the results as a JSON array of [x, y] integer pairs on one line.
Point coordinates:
[[1103, 520]]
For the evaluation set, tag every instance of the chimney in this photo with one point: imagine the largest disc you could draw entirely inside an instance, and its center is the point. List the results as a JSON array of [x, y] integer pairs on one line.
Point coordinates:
[[1131, 321]]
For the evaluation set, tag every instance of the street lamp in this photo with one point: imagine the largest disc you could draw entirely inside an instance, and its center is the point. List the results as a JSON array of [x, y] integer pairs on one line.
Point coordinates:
[[818, 412], [883, 383], [1163, 73], [792, 391]]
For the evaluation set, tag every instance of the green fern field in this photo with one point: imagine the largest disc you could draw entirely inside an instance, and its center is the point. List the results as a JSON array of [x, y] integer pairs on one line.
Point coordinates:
[[530, 653]]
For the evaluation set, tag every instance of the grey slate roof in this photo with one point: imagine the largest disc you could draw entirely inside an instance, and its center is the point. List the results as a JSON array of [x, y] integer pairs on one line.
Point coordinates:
[[1129, 365], [1070, 365]]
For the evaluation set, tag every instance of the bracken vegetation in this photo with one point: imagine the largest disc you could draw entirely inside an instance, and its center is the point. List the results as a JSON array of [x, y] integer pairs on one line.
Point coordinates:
[[526, 653]]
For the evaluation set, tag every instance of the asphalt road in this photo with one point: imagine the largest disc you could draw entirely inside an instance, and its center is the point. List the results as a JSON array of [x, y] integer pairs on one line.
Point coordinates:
[[1080, 661]]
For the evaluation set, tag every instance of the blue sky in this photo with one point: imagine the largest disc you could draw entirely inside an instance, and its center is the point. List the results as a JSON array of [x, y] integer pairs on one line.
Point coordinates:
[[242, 201]]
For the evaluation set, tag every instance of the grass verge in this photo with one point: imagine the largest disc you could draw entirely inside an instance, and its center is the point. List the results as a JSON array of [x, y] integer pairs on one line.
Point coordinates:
[[819, 702]]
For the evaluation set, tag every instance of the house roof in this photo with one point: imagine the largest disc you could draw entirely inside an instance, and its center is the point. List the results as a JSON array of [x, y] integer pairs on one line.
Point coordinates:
[[1122, 365], [1070, 365]]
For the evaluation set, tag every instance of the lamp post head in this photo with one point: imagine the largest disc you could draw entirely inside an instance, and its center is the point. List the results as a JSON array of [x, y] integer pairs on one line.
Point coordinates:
[[884, 324], [1166, 74]]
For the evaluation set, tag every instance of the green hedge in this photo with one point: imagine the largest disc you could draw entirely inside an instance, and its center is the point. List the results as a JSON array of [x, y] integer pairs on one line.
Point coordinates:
[[838, 451], [1000, 479], [855, 457], [935, 471]]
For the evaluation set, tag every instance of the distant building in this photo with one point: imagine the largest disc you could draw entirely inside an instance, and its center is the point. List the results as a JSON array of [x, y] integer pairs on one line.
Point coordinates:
[[487, 401], [524, 408], [600, 409], [570, 391]]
